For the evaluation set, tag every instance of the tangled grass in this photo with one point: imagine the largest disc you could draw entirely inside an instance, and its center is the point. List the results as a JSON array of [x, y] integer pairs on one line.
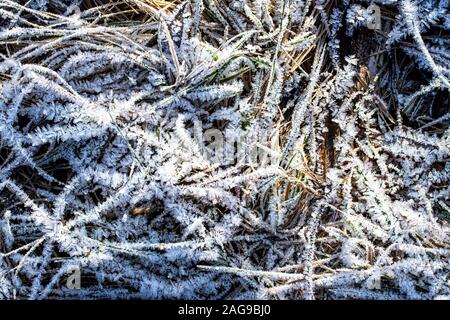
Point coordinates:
[[111, 162]]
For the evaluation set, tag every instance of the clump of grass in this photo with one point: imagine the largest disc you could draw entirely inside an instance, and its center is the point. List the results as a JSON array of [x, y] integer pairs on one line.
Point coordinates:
[[112, 115]]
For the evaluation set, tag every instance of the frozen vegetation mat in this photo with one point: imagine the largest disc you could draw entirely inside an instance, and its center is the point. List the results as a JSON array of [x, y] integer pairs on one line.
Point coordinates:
[[215, 149]]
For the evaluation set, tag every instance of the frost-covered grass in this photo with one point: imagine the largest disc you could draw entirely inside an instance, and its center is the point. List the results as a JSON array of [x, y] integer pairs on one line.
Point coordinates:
[[132, 136]]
